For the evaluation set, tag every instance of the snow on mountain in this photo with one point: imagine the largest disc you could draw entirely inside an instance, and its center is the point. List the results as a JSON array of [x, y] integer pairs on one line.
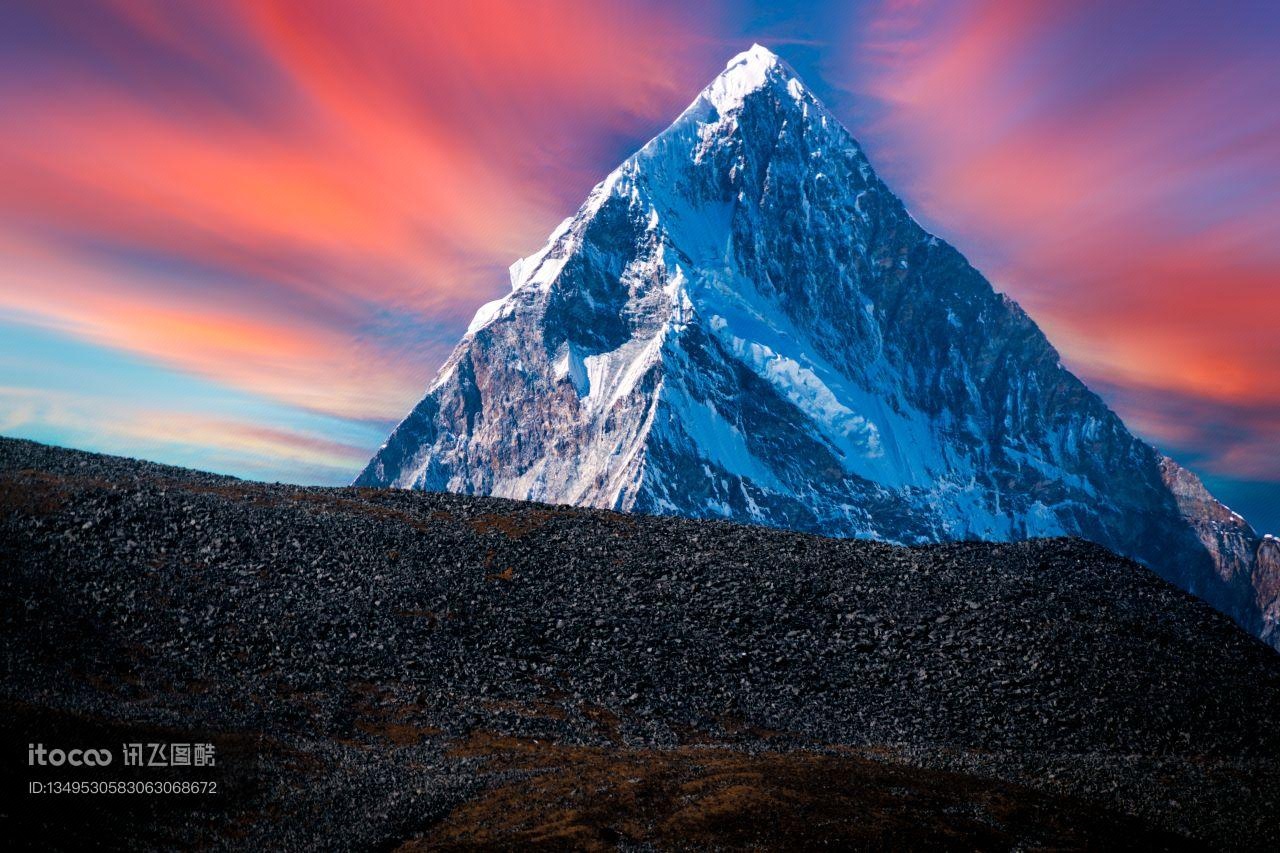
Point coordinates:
[[743, 322]]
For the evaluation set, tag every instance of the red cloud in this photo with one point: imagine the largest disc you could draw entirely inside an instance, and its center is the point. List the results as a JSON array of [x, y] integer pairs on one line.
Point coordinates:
[[408, 152], [1122, 189]]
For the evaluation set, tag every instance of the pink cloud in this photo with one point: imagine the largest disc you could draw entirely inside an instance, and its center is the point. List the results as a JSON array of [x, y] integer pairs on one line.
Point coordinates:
[[1116, 186], [410, 153]]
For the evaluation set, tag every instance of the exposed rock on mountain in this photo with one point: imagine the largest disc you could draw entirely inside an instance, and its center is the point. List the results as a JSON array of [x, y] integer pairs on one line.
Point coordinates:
[[377, 666], [743, 322]]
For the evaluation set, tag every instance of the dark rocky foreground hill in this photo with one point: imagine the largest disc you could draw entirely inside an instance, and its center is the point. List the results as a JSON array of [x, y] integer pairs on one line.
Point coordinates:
[[379, 669]]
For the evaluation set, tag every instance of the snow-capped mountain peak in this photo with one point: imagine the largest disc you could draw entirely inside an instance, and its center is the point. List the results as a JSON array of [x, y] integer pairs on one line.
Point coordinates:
[[742, 321], [748, 72]]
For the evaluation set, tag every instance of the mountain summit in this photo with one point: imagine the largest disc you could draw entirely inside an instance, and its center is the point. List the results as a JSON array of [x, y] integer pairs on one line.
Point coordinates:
[[743, 322]]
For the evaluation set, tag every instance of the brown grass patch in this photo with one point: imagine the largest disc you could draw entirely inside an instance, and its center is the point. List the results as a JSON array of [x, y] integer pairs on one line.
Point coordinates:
[[513, 525], [381, 712], [591, 798], [30, 492]]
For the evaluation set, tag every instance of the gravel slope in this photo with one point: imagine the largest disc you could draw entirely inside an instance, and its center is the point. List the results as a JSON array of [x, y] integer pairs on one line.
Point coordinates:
[[382, 667]]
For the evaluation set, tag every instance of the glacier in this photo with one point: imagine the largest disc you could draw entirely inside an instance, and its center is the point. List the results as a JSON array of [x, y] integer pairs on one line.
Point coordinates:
[[742, 321]]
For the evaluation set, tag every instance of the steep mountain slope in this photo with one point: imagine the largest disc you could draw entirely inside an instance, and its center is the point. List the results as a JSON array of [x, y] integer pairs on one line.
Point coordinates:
[[375, 666], [742, 321]]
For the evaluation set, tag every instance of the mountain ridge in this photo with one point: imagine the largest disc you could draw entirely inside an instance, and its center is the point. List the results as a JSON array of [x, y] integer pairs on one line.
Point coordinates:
[[743, 321], [374, 665]]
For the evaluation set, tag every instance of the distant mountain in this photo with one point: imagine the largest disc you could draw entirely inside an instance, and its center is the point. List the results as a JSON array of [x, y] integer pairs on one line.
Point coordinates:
[[743, 322]]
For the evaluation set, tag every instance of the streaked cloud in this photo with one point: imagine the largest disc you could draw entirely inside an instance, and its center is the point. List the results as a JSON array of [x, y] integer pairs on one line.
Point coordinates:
[[1113, 167], [292, 208], [59, 388], [247, 189]]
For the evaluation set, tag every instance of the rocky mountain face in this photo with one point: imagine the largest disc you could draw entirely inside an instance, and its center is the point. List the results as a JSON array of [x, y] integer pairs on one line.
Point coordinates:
[[743, 322], [381, 669]]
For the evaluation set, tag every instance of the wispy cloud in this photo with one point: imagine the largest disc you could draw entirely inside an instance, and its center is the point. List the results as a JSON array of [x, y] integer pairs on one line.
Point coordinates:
[[248, 189], [301, 203], [1113, 168]]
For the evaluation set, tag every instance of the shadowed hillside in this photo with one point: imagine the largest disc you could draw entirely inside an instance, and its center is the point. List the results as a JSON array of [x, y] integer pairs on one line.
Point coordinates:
[[379, 668]]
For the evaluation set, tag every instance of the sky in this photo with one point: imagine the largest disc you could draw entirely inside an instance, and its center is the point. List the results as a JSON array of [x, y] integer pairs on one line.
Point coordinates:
[[242, 236]]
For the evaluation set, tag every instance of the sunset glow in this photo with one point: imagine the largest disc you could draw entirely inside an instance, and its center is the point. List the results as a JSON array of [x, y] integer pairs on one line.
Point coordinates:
[[281, 215]]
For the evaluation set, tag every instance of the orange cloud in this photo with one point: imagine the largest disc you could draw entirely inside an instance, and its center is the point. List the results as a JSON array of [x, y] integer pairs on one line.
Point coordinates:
[[1117, 190], [210, 441], [287, 358], [401, 157]]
